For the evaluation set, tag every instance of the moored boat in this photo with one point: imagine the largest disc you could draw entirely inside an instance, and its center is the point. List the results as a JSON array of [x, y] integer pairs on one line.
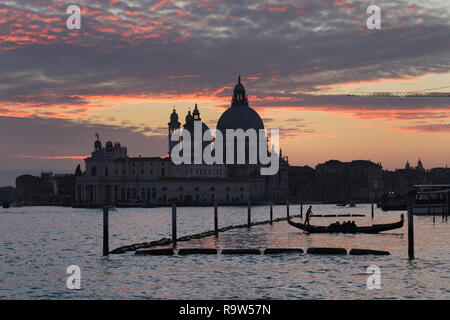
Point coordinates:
[[375, 228], [392, 201], [432, 199]]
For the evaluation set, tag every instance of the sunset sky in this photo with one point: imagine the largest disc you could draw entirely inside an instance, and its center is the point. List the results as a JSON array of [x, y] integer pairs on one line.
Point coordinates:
[[132, 61]]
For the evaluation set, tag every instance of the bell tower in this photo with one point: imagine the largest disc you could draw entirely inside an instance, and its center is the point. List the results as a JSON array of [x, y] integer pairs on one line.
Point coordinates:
[[174, 124], [239, 95]]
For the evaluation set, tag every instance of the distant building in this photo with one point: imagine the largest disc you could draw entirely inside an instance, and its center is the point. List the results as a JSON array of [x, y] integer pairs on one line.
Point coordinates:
[[335, 181], [7, 194], [407, 166], [48, 189], [112, 177], [397, 182], [440, 175], [358, 180], [420, 166], [302, 183]]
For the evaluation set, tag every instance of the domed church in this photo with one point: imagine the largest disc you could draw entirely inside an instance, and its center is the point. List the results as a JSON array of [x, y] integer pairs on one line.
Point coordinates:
[[112, 177]]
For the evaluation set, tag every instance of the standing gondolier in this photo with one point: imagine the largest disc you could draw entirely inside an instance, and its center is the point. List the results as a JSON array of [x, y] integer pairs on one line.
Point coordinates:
[[308, 215]]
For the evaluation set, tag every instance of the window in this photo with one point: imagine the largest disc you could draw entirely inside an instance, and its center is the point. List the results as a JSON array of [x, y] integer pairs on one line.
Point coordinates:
[[94, 171]]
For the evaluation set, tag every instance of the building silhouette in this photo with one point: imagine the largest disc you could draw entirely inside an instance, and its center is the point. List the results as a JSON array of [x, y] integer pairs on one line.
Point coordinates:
[[112, 177]]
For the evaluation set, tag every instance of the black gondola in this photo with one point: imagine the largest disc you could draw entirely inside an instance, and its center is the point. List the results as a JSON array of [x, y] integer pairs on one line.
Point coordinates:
[[375, 228]]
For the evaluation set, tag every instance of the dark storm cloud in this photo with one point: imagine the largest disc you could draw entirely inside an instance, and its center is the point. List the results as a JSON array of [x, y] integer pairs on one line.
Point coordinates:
[[171, 48]]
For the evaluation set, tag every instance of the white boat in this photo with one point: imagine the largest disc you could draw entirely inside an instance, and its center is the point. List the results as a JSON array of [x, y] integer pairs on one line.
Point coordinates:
[[432, 199]]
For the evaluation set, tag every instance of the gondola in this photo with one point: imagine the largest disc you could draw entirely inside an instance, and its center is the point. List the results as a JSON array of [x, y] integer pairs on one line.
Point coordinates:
[[375, 228]]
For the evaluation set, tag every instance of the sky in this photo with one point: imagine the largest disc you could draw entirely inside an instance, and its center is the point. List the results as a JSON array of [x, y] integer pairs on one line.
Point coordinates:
[[121, 74]]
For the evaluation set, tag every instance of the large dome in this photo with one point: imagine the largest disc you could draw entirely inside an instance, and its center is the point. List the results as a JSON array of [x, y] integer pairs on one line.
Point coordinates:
[[239, 115], [240, 118]]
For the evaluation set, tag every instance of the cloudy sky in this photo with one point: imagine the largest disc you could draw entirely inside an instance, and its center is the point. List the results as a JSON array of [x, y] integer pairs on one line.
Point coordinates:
[[132, 61]]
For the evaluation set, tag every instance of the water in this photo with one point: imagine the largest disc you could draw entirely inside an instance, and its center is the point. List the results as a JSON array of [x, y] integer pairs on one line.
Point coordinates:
[[37, 244]]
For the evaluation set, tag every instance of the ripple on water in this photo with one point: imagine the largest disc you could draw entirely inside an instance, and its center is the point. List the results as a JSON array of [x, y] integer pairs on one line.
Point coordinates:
[[37, 244]]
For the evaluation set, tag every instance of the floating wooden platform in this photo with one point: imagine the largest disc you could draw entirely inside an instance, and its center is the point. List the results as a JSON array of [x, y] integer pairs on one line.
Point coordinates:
[[326, 251], [283, 250], [253, 251], [155, 252], [187, 251], [368, 251], [241, 251]]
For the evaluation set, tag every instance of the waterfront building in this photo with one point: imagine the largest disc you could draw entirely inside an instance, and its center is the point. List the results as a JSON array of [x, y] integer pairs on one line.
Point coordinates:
[[48, 189], [335, 181], [112, 177]]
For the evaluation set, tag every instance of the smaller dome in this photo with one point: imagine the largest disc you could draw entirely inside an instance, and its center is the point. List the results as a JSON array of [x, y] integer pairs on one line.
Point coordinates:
[[196, 113], [109, 146], [189, 117], [174, 116]]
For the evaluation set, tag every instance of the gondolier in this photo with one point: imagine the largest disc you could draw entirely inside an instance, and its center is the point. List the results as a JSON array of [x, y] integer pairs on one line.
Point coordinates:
[[308, 215]]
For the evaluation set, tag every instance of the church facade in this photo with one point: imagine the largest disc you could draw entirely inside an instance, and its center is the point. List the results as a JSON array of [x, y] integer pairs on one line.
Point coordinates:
[[112, 177]]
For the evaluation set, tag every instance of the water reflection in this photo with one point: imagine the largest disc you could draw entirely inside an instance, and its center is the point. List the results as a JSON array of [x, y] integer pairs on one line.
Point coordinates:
[[37, 244]]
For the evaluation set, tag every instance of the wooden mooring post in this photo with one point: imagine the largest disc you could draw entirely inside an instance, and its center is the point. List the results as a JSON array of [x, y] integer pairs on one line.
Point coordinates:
[[429, 213], [448, 203], [411, 224], [287, 208], [216, 220], [249, 214], [271, 213], [105, 231], [174, 224], [372, 210]]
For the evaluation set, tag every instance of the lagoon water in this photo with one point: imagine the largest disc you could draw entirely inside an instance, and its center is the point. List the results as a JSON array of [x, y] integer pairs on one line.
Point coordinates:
[[37, 244]]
